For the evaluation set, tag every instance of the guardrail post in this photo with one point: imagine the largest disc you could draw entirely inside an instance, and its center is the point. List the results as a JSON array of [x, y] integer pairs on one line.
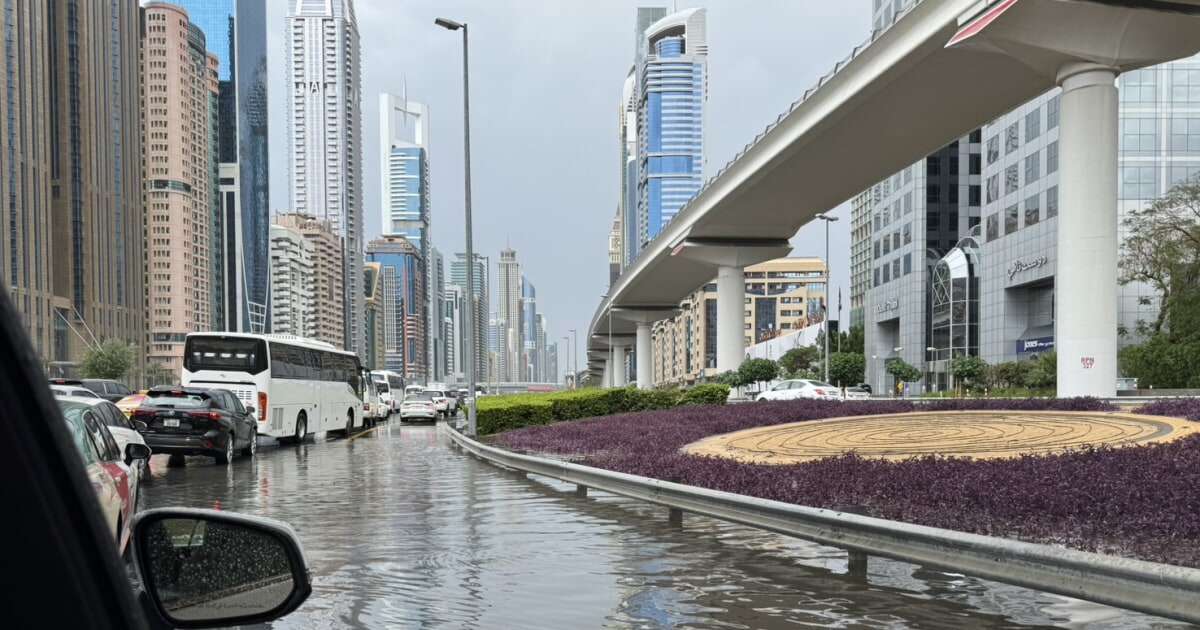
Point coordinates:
[[856, 564], [675, 517], [580, 491]]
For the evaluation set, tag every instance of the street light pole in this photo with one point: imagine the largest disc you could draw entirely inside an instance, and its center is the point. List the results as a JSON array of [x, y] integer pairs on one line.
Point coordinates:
[[828, 283], [567, 360], [471, 323], [574, 360]]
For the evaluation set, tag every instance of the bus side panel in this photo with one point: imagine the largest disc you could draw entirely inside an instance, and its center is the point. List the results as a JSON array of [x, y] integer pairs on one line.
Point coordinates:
[[291, 397]]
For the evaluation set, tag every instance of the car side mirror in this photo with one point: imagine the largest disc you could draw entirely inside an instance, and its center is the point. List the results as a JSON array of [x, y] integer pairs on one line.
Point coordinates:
[[204, 568], [140, 426], [133, 451], [250, 409]]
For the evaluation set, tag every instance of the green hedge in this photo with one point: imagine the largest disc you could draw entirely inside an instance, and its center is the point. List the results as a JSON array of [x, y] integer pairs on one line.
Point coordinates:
[[495, 414]]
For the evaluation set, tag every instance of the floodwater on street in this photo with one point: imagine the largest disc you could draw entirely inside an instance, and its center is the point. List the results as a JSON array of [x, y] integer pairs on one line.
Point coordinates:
[[402, 530]]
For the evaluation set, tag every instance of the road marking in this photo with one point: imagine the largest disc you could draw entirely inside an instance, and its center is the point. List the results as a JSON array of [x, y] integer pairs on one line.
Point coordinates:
[[362, 433]]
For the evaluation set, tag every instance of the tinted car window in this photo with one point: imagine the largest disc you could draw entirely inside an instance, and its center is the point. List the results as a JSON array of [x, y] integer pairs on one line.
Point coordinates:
[[79, 433], [179, 401], [113, 416], [105, 444]]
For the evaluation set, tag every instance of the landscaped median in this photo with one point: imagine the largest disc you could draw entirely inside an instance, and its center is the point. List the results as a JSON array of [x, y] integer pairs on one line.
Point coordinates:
[[505, 413], [1139, 501]]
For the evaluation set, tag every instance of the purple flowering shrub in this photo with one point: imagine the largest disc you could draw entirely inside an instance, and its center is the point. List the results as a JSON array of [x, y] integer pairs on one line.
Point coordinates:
[[1175, 407], [1140, 501]]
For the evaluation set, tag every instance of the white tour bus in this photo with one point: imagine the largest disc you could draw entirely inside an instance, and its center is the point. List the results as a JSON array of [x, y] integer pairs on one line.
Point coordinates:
[[297, 386], [392, 391]]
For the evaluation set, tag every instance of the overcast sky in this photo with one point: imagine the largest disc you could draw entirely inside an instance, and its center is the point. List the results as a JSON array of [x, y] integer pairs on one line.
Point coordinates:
[[546, 81]]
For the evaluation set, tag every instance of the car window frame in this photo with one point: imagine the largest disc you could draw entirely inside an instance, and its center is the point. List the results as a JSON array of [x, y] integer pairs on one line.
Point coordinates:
[[118, 417], [98, 431]]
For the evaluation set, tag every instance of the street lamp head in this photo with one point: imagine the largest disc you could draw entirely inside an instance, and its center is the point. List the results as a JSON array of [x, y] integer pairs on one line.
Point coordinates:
[[448, 24], [827, 217]]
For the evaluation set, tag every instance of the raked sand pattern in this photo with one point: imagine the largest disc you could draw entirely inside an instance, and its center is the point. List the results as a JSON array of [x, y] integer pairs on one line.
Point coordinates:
[[975, 434]]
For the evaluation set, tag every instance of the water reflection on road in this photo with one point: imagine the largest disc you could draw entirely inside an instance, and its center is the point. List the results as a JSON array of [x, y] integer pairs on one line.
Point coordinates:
[[403, 531]]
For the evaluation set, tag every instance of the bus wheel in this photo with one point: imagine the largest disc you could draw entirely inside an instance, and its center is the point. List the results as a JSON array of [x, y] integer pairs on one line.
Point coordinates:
[[301, 428]]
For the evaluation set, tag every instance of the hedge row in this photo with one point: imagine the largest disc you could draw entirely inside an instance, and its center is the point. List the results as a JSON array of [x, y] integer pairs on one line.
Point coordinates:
[[503, 413]]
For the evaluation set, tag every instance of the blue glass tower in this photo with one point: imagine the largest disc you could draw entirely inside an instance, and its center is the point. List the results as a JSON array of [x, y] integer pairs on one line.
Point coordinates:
[[672, 92], [236, 33]]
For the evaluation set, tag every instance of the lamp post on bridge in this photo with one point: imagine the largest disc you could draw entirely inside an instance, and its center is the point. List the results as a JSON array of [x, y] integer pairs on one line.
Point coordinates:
[[828, 283]]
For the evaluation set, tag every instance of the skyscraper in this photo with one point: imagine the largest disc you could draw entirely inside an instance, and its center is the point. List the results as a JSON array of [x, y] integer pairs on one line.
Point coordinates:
[[324, 111], [541, 375], [458, 278], [509, 343], [528, 330], [327, 277], [180, 86], [235, 32], [95, 156], [405, 315], [627, 138], [435, 344], [672, 91], [292, 282]]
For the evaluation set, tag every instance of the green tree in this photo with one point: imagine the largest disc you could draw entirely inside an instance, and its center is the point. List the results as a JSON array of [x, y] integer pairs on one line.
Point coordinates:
[[846, 368], [732, 378], [800, 359], [1162, 248], [968, 370], [903, 371], [111, 359], [758, 370], [1043, 374], [852, 340]]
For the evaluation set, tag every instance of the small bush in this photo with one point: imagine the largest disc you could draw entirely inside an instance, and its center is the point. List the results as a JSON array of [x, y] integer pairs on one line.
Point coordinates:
[[707, 394]]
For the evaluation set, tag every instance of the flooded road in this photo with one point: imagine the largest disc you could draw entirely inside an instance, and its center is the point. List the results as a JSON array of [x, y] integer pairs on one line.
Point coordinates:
[[404, 531]]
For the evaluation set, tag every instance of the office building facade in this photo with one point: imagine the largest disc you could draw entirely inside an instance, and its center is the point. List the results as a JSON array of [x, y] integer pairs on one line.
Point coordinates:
[[181, 87], [782, 295], [510, 342], [325, 136], [405, 313], [672, 96], [628, 111], [376, 358], [458, 278], [435, 313], [860, 255], [327, 284], [292, 282]]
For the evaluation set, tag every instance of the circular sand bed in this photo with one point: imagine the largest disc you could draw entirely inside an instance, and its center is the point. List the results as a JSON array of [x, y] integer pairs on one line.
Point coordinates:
[[975, 434]]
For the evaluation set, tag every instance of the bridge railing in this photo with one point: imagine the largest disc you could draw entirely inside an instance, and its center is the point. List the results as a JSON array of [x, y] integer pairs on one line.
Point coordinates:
[[1157, 589]]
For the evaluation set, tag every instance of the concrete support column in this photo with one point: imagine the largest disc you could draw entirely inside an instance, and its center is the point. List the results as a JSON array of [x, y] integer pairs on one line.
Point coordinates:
[[618, 366], [1085, 286], [731, 317], [645, 371], [606, 380]]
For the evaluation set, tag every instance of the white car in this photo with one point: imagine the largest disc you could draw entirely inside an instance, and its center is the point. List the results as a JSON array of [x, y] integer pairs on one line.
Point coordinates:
[[123, 430], [445, 402], [374, 408], [73, 391], [856, 393], [418, 407], [797, 389]]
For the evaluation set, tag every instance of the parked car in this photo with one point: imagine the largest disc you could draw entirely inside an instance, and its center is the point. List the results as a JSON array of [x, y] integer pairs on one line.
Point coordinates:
[[109, 467], [123, 429], [418, 406], [865, 386], [856, 393], [795, 389], [107, 389], [375, 409], [197, 421], [76, 391]]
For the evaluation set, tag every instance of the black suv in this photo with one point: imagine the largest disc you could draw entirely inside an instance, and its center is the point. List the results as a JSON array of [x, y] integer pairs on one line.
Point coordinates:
[[107, 389], [197, 421]]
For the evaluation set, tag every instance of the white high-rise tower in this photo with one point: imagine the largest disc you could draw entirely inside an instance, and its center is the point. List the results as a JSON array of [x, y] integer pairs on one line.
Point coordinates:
[[325, 135]]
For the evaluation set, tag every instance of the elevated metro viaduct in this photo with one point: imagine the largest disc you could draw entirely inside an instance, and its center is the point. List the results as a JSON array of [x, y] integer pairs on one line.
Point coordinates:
[[942, 68]]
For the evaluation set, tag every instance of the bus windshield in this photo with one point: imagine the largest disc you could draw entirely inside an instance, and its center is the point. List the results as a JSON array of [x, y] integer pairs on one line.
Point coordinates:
[[234, 354]]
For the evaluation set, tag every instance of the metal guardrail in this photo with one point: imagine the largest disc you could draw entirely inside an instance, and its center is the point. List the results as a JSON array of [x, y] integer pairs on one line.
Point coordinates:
[[1152, 588]]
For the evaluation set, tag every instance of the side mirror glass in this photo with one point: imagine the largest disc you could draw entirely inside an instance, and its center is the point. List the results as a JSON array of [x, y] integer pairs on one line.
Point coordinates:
[[133, 451], [203, 568], [140, 426]]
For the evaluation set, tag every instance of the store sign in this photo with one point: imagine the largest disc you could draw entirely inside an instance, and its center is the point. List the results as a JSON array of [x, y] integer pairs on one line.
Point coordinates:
[[1018, 266], [890, 305], [1038, 344]]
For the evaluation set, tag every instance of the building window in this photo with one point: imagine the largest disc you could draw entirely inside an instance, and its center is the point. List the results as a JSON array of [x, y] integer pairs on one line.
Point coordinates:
[[1012, 138], [975, 164], [887, 245], [993, 227], [908, 202], [887, 273], [993, 149], [952, 194], [993, 188], [975, 137], [907, 264], [1033, 124], [1012, 219], [1052, 112], [1012, 179], [876, 250], [1138, 182], [1033, 168], [876, 221], [1139, 136], [1185, 135], [933, 166], [932, 193], [876, 270], [1033, 213], [973, 195], [1052, 202], [908, 175], [896, 240], [1139, 86], [896, 268], [907, 233], [1052, 157]]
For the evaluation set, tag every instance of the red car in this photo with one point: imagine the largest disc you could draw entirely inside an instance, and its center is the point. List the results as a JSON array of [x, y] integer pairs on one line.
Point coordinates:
[[108, 469]]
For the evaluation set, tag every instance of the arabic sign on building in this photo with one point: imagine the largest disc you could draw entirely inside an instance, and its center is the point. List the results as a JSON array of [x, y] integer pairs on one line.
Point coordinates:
[[1037, 344], [890, 305], [1018, 266]]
